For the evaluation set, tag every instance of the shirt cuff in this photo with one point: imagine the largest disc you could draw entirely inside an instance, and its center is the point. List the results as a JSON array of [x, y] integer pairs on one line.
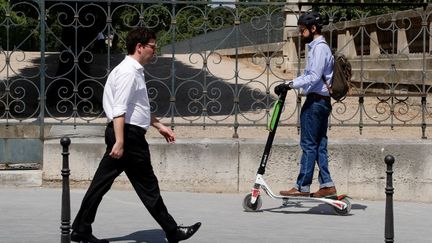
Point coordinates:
[[293, 84], [119, 110]]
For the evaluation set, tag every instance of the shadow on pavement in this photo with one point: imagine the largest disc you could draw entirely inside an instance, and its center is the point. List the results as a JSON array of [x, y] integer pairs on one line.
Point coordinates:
[[143, 236], [321, 209], [358, 206]]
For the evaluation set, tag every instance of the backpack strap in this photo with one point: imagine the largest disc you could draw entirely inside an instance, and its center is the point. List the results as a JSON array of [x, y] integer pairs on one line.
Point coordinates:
[[327, 85], [323, 77]]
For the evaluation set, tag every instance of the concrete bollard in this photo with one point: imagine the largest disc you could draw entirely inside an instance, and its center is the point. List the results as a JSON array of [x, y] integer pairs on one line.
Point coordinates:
[[65, 208], [389, 230]]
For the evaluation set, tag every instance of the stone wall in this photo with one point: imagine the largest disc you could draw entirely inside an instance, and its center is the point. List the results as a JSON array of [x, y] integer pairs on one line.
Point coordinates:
[[230, 165]]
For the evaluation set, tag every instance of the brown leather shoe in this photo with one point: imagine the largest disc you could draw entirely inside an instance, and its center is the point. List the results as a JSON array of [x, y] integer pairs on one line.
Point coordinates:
[[294, 192], [325, 192]]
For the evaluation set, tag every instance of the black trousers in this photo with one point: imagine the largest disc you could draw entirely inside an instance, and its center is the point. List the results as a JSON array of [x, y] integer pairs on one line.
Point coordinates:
[[136, 164]]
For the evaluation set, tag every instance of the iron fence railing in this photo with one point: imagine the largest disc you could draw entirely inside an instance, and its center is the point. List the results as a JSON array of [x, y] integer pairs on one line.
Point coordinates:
[[218, 64]]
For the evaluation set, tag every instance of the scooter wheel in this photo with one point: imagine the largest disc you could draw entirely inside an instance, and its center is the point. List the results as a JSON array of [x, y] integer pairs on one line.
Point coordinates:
[[251, 207], [345, 211]]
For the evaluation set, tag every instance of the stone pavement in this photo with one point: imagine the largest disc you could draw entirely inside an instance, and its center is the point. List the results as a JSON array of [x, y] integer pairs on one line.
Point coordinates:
[[33, 215]]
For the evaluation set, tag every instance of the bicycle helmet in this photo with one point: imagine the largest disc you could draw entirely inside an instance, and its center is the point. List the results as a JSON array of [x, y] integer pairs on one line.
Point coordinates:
[[310, 18]]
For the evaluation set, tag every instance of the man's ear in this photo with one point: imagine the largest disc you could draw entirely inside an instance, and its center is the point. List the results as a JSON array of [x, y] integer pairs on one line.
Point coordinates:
[[313, 29], [137, 47]]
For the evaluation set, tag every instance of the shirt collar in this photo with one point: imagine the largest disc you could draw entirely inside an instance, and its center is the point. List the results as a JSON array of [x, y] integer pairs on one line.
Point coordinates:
[[316, 41], [134, 63]]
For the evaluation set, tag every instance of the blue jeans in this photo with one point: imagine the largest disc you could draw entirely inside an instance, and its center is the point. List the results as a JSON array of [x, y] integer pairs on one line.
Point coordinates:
[[313, 141]]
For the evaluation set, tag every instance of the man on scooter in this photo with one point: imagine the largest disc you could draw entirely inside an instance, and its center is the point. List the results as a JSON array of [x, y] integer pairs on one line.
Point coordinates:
[[315, 110]]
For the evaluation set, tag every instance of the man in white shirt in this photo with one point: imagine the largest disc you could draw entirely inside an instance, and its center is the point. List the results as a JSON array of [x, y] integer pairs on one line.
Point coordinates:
[[127, 107]]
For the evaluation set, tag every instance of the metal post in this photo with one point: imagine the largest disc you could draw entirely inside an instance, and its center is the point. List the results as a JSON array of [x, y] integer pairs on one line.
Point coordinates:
[[42, 101], [65, 209], [389, 230]]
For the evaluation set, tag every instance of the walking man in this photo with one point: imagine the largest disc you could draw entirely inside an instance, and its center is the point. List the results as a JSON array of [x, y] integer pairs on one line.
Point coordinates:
[[126, 105], [315, 110]]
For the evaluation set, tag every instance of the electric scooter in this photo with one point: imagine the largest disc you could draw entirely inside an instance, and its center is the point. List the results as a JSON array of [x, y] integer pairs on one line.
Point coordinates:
[[253, 202]]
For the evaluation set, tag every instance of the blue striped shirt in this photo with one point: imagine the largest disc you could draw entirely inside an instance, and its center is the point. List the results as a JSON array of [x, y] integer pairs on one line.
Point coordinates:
[[319, 62]]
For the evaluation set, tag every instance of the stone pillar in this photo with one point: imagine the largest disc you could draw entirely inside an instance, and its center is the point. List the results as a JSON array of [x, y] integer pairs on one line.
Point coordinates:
[[351, 47], [402, 42], [289, 50], [346, 44], [341, 43], [290, 53], [374, 44]]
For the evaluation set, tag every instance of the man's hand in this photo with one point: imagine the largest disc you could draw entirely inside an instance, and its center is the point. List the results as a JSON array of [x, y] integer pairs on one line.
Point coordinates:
[[163, 130], [167, 133], [118, 125], [282, 88], [117, 151]]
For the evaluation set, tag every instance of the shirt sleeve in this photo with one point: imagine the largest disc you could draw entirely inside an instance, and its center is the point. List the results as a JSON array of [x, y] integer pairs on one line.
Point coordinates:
[[315, 69], [123, 88]]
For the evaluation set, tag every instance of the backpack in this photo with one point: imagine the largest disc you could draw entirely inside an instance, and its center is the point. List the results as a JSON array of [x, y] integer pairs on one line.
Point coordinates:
[[341, 77]]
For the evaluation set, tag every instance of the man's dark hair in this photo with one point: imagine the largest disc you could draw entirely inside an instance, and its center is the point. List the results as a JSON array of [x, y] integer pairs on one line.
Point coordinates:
[[139, 35], [311, 18]]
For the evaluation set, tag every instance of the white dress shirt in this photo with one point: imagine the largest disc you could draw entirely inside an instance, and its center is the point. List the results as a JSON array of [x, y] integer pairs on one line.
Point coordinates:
[[125, 92]]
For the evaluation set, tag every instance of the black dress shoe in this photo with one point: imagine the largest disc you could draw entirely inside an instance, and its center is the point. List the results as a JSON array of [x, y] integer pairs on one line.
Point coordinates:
[[183, 233], [86, 238]]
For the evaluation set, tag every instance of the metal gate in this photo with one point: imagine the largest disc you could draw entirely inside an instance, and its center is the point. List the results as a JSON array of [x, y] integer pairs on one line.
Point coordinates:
[[55, 57]]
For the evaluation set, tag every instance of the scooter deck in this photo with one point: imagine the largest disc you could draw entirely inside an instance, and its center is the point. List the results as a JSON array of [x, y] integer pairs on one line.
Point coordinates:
[[310, 197]]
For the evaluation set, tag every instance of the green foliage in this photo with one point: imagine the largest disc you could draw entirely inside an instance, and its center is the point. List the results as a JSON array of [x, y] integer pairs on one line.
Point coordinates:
[[20, 23], [191, 20], [343, 13], [200, 19], [154, 16], [19, 26]]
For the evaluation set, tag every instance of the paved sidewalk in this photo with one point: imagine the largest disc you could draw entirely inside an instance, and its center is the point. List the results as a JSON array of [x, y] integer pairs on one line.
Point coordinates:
[[33, 215]]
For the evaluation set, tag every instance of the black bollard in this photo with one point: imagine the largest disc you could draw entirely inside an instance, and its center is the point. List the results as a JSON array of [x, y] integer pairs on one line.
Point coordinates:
[[65, 209], [389, 230]]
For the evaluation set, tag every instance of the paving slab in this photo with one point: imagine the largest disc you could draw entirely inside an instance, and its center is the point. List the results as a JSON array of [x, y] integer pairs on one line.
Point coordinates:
[[33, 215]]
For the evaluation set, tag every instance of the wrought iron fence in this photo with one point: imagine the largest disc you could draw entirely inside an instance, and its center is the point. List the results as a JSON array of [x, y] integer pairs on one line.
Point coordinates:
[[218, 62]]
